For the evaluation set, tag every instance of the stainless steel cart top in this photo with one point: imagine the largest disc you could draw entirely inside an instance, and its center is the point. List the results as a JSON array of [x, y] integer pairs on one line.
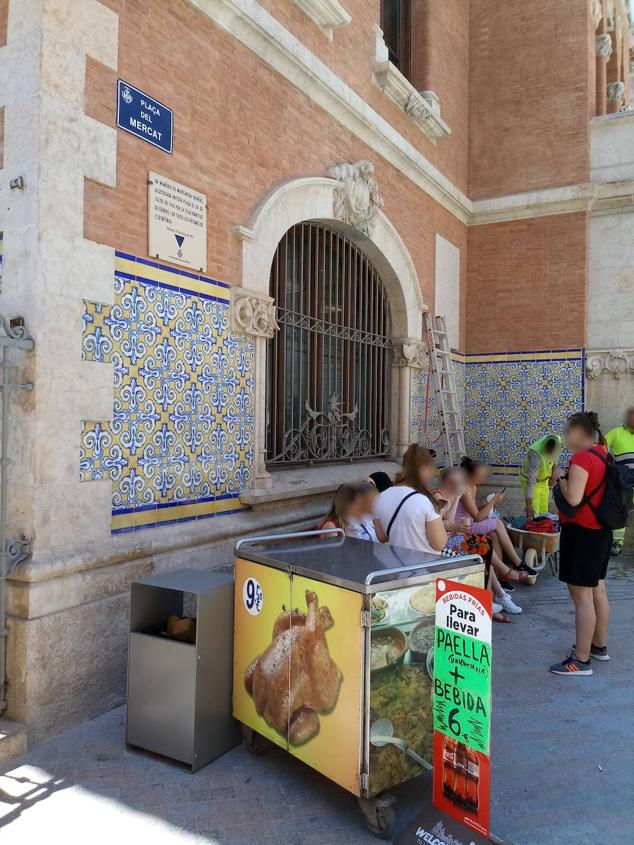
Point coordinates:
[[357, 565]]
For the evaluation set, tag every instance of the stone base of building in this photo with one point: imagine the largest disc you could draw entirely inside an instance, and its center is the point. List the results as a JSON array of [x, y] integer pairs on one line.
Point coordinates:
[[68, 618]]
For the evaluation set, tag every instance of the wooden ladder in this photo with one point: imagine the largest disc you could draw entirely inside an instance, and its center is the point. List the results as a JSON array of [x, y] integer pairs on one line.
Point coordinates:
[[444, 381]]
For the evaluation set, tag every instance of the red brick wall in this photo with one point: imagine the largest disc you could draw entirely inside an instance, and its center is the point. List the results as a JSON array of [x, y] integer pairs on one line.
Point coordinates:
[[529, 91], [240, 129], [526, 284], [351, 53], [440, 63]]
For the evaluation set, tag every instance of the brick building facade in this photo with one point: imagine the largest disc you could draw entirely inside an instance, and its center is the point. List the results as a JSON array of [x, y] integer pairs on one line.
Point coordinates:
[[498, 193]]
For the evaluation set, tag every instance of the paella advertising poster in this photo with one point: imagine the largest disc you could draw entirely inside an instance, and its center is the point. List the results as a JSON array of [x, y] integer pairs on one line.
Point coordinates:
[[401, 726], [305, 636], [462, 703]]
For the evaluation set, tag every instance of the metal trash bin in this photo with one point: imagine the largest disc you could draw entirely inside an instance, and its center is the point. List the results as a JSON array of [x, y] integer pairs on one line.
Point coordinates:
[[179, 693]]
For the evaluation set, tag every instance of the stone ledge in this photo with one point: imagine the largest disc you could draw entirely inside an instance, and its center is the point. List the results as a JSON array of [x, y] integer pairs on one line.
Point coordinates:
[[299, 483], [152, 543], [422, 107]]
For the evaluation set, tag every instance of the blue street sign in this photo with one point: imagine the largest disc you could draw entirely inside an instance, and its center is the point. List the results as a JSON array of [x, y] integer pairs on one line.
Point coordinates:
[[145, 117]]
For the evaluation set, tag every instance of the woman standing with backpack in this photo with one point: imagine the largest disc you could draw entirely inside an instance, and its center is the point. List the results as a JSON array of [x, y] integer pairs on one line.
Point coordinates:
[[585, 543]]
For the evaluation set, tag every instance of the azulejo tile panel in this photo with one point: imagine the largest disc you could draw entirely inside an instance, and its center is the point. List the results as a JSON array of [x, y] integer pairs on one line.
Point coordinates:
[[180, 442], [508, 401], [512, 399]]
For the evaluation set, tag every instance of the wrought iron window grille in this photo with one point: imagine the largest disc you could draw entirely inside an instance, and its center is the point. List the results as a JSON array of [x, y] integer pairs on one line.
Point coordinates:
[[329, 366]]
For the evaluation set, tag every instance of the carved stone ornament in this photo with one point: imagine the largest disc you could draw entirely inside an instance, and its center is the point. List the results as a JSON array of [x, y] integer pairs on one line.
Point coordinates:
[[327, 14], [604, 45], [597, 12], [409, 352], [252, 313], [616, 91], [357, 199], [615, 362]]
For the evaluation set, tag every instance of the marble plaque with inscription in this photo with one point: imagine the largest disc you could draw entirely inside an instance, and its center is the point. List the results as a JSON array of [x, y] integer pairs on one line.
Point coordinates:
[[177, 223]]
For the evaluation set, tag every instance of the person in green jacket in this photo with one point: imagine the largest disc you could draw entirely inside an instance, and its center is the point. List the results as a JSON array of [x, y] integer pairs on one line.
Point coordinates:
[[539, 473], [621, 444]]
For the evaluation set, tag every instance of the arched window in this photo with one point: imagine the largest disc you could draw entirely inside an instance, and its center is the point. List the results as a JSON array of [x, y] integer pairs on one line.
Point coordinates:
[[329, 366]]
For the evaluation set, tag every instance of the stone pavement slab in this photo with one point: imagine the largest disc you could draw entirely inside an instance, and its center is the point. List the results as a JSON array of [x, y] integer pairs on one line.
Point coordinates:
[[561, 762]]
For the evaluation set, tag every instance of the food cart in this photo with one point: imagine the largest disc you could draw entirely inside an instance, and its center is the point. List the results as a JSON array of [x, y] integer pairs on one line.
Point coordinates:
[[333, 656]]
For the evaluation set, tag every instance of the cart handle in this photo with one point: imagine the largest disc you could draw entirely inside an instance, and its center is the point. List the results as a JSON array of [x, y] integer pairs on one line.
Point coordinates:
[[272, 538], [369, 578]]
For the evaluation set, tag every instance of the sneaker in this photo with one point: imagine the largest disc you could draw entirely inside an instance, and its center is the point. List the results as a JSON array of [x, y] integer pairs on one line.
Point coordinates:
[[571, 666], [597, 653], [508, 604], [617, 548], [496, 608], [507, 586]]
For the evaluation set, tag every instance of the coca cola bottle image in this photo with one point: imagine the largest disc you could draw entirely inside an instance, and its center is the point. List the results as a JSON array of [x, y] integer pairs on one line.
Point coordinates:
[[448, 766], [460, 775], [473, 779]]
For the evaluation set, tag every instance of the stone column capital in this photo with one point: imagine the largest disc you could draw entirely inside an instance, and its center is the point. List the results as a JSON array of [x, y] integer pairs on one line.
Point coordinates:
[[409, 352], [253, 313], [615, 91], [614, 362], [604, 45]]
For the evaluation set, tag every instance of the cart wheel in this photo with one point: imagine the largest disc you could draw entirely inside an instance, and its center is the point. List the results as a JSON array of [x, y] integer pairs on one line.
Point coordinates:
[[379, 814], [255, 742]]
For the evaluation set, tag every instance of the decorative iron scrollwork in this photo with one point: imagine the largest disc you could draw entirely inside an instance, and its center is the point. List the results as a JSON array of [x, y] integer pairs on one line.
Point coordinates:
[[331, 434]]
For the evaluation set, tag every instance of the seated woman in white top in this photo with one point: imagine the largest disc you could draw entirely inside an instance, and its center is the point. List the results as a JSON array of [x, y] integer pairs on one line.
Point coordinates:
[[418, 524], [351, 509]]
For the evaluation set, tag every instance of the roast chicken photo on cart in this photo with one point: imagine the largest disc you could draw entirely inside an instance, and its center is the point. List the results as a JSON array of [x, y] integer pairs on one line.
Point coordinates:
[[290, 703]]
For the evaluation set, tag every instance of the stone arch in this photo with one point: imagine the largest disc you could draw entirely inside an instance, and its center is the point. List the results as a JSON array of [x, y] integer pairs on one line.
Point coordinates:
[[312, 198]]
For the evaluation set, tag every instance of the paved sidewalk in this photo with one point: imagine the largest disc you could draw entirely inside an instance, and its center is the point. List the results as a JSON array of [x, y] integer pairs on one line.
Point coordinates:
[[562, 762]]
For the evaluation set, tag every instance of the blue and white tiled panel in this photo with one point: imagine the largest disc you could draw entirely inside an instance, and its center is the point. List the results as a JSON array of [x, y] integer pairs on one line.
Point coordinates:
[[180, 442], [512, 399], [424, 417]]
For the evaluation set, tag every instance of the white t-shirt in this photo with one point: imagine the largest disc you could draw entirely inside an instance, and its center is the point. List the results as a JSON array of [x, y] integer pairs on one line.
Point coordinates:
[[363, 529], [409, 529]]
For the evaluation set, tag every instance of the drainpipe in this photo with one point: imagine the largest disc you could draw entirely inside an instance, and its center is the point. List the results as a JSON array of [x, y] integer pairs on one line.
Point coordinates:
[[12, 336]]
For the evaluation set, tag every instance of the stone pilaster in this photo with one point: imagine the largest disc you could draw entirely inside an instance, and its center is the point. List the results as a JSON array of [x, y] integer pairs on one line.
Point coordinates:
[[49, 268], [253, 313], [409, 354]]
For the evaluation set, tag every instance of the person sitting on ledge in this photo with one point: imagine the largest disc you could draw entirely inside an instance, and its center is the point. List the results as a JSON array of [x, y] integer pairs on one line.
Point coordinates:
[[484, 522]]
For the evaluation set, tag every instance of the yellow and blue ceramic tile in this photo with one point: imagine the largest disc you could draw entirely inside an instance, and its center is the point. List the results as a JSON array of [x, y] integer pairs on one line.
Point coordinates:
[[511, 399], [508, 400], [180, 443]]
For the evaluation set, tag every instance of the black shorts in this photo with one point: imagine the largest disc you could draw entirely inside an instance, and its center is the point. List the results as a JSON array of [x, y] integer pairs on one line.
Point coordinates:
[[584, 554]]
